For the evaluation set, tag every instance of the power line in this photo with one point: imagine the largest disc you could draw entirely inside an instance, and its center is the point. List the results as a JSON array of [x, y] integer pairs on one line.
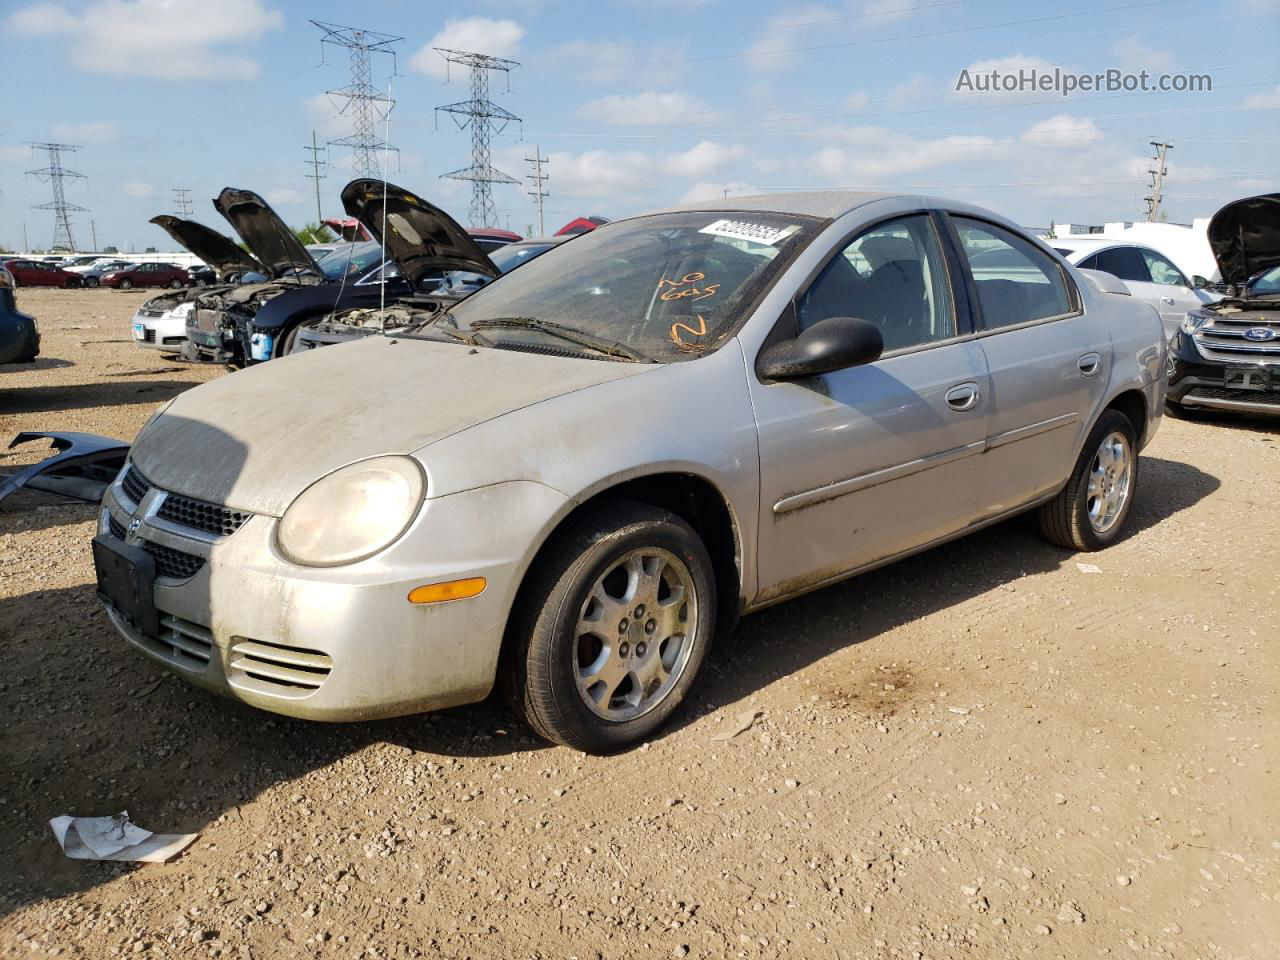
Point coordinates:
[[485, 118], [182, 197], [538, 178], [365, 103], [54, 174], [315, 163]]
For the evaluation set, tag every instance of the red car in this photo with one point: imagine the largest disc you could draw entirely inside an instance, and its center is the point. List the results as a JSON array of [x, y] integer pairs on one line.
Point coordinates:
[[37, 273], [147, 275]]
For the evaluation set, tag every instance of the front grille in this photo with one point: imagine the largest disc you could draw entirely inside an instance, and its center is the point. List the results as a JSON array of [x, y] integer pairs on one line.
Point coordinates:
[[115, 527], [209, 321], [134, 484], [183, 643], [276, 669], [1223, 338], [148, 336], [172, 563], [1245, 396], [209, 517]]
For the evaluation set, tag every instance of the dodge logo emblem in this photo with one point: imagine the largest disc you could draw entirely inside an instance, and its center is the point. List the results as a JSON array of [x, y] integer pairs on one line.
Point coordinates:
[[134, 525], [1260, 334]]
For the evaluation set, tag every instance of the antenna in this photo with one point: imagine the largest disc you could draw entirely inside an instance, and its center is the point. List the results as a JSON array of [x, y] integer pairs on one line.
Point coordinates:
[[182, 197], [54, 174], [364, 102], [315, 163], [1157, 181], [538, 178], [485, 119]]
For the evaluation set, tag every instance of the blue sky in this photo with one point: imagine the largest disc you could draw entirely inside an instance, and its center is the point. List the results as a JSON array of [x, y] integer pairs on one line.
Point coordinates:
[[640, 103]]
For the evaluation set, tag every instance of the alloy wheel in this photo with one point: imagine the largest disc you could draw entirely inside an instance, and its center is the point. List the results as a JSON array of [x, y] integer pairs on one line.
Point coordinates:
[[1110, 478]]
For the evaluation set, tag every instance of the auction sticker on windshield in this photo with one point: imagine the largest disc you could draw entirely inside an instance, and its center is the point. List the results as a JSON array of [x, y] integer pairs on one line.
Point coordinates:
[[751, 232]]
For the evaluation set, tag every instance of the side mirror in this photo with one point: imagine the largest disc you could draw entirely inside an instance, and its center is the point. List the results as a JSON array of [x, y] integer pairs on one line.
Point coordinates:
[[1199, 282], [835, 343]]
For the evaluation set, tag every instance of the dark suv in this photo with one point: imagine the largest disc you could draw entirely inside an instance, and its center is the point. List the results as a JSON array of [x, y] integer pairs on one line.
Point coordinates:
[[1226, 356]]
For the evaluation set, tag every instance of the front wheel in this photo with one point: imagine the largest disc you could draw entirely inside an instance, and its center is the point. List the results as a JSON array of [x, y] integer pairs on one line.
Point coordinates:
[[175, 284], [90, 281], [612, 628], [1091, 509], [126, 283]]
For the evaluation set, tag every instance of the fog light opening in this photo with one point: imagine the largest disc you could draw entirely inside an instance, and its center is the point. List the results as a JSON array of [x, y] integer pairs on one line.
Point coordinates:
[[451, 590]]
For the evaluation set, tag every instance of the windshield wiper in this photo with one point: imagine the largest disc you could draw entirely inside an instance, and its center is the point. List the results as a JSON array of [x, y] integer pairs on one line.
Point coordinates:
[[572, 334]]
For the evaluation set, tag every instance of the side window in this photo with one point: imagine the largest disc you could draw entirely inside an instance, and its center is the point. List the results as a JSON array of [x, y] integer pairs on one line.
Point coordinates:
[[1089, 263], [1016, 280], [1162, 271], [1125, 263], [894, 276]]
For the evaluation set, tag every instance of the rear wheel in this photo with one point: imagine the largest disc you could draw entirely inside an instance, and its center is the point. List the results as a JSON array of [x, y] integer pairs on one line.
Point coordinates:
[[1091, 509], [612, 627], [90, 281]]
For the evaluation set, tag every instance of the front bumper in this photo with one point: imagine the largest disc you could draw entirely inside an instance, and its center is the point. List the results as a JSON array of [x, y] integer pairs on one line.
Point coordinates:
[[340, 643], [163, 332], [1199, 381]]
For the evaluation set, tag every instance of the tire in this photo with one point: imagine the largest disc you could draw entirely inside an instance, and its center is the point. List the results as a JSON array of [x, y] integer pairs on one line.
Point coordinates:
[[90, 281], [1179, 412], [1066, 519], [286, 345], [545, 674], [126, 283], [175, 284]]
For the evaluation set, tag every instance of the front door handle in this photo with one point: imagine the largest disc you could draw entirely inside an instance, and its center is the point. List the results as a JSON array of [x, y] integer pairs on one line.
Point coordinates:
[[963, 396], [1089, 364], [1168, 300]]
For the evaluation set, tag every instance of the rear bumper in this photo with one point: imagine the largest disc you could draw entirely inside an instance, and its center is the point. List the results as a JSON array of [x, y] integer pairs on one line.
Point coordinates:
[[343, 643]]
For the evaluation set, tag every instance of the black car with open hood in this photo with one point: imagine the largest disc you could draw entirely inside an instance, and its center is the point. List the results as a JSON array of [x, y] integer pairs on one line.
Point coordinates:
[[216, 249], [260, 227], [424, 242], [1226, 356]]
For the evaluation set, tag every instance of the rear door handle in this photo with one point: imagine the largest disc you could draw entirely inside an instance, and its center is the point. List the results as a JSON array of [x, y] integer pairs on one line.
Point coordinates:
[[1089, 364], [963, 396]]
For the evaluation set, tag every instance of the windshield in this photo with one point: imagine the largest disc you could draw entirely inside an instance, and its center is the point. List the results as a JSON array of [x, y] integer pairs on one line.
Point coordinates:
[[352, 260], [1266, 284], [666, 288]]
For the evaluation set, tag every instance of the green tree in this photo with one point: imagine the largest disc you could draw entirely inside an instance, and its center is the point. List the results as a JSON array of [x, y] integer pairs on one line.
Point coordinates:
[[314, 233]]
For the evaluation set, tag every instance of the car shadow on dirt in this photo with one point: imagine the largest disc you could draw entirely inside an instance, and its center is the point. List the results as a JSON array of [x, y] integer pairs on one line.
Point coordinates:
[[92, 728], [78, 396]]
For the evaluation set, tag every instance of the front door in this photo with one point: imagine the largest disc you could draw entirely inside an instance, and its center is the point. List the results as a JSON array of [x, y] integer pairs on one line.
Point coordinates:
[[862, 464]]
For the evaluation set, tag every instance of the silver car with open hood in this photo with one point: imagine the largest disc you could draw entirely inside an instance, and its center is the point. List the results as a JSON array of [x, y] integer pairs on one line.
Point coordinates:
[[571, 480]]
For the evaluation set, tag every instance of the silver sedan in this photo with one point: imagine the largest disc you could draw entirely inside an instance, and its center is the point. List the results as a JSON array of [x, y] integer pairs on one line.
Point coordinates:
[[568, 482]]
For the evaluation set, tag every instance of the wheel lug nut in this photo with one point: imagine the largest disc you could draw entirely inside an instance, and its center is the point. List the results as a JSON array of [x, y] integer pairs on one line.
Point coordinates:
[[640, 648], [622, 625], [640, 611], [651, 626], [624, 649]]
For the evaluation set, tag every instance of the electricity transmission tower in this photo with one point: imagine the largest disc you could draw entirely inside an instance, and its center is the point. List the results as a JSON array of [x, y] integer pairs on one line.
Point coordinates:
[[54, 174], [1157, 181], [182, 197], [365, 104], [315, 163], [485, 119], [538, 178]]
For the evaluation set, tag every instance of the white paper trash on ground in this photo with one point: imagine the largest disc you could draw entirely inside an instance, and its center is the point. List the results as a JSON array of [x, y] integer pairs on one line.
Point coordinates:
[[116, 838]]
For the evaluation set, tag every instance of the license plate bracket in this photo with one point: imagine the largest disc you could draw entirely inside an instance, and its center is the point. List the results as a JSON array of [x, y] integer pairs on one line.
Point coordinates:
[[1246, 379], [126, 578]]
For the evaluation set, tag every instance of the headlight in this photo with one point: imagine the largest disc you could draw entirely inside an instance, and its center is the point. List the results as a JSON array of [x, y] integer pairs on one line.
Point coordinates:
[[352, 513], [183, 309], [1194, 320]]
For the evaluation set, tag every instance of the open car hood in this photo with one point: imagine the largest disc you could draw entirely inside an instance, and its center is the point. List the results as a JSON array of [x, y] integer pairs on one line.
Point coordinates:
[[1245, 237], [214, 248], [264, 233], [420, 238]]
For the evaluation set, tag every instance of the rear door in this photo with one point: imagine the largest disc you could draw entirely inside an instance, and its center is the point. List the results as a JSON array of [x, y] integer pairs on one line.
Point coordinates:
[[1046, 358], [867, 462]]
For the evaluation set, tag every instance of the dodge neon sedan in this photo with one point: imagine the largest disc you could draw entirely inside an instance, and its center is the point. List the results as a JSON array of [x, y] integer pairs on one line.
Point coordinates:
[[570, 481]]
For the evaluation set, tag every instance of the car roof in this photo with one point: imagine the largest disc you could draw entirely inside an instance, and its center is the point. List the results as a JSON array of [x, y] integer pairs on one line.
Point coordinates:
[[826, 204]]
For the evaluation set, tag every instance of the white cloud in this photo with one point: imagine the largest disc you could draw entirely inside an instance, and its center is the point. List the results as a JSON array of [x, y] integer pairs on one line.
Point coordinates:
[[137, 189], [1136, 55], [704, 159], [285, 196], [1267, 100], [84, 132], [14, 154], [775, 48], [858, 100], [647, 108], [322, 114], [716, 191], [600, 61], [165, 39], [1063, 129], [497, 38]]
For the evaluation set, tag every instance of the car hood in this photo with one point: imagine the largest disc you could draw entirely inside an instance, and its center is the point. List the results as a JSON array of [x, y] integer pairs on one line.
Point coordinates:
[[264, 233], [420, 238], [256, 439], [1245, 237], [214, 248]]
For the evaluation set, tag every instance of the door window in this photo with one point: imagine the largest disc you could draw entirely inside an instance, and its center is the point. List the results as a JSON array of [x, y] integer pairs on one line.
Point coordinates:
[[1123, 262], [1017, 281], [1162, 271], [894, 276]]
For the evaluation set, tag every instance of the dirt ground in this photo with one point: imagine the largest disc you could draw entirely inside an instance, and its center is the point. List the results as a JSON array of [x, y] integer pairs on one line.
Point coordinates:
[[981, 752]]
